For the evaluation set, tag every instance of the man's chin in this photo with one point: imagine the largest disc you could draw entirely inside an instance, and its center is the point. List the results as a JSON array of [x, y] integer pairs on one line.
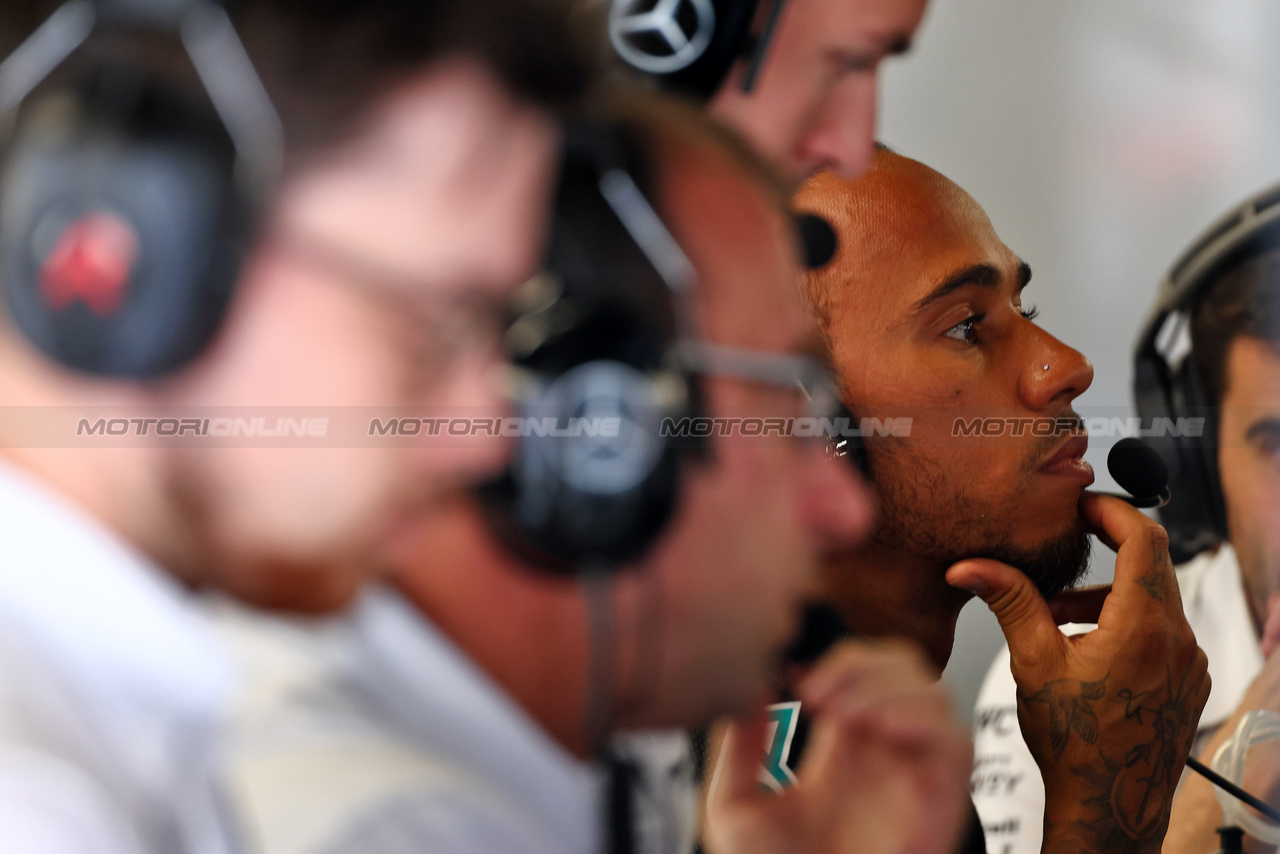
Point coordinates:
[[1053, 565], [314, 587]]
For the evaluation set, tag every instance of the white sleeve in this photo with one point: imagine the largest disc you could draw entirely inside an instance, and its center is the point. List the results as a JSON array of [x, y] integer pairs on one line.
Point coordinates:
[[48, 806], [1007, 788]]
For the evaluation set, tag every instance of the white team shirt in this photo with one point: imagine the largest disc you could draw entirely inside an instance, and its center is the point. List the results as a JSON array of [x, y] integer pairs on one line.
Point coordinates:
[[111, 691], [373, 733], [1006, 784]]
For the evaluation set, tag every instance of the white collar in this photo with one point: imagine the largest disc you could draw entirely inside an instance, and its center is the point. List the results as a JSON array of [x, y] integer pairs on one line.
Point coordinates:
[[1214, 601], [105, 616], [431, 689]]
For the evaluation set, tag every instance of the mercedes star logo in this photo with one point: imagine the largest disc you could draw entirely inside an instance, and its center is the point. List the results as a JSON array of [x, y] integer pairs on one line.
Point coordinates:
[[664, 37]]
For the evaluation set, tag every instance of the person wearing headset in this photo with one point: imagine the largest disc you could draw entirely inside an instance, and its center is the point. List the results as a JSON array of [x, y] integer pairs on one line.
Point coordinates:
[[501, 693], [212, 226], [1224, 296], [922, 312], [797, 78]]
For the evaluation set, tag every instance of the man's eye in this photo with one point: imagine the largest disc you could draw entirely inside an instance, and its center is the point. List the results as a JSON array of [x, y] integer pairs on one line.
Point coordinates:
[[1269, 446], [966, 330]]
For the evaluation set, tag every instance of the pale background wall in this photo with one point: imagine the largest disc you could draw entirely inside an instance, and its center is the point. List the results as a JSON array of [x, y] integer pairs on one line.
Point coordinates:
[[1100, 136]]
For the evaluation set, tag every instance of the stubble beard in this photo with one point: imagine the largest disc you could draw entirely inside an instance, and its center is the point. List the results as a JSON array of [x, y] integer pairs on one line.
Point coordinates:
[[924, 513]]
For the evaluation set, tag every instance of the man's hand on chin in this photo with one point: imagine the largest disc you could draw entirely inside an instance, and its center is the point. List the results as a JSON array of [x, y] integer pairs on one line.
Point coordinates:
[[1110, 715], [886, 769]]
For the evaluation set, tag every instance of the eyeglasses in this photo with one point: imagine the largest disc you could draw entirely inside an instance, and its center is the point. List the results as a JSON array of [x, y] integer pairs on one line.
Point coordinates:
[[782, 370], [447, 323], [832, 419]]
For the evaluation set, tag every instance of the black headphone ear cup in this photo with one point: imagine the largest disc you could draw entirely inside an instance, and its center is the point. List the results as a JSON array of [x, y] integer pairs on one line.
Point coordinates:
[[593, 480], [688, 46], [119, 258], [140, 303], [1195, 516], [607, 462], [1201, 457], [598, 341]]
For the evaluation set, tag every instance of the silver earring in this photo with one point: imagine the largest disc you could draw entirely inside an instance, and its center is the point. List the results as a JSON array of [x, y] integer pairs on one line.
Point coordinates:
[[1046, 367]]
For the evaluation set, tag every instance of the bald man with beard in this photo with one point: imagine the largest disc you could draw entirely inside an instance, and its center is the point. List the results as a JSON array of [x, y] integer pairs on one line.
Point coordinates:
[[922, 316]]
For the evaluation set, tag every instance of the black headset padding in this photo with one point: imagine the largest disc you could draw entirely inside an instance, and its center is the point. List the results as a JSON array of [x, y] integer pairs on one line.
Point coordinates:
[[730, 42], [1196, 515], [621, 313], [161, 163]]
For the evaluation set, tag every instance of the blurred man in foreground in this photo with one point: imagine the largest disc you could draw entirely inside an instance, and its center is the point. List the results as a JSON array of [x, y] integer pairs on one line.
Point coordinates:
[[384, 170], [922, 314], [1230, 295], [462, 709]]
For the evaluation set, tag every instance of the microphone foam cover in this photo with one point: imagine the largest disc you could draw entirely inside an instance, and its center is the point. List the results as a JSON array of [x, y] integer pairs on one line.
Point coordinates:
[[817, 240], [1138, 468]]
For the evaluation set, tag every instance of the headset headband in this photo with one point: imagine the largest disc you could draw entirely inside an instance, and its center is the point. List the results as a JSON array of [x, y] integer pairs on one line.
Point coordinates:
[[209, 38], [1166, 383], [1223, 243], [124, 221]]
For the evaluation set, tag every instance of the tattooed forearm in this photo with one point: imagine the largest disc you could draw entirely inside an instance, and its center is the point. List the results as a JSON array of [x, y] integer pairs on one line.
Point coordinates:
[[1120, 799]]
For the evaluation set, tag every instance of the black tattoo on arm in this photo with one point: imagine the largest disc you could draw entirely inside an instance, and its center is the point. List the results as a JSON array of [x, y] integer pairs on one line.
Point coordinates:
[[1070, 710], [1155, 585], [1126, 800]]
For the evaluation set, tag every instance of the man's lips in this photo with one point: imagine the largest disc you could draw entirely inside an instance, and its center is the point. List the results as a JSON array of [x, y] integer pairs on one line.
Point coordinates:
[[1068, 460]]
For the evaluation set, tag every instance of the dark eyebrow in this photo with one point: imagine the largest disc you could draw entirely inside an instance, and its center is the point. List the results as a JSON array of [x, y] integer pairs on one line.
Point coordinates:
[[981, 275]]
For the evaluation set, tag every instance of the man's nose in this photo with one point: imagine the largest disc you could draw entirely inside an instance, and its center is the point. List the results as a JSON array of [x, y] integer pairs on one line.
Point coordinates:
[[842, 132], [839, 506], [1055, 375]]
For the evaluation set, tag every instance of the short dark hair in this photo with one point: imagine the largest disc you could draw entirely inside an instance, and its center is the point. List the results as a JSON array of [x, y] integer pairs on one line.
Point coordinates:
[[324, 62], [1243, 301]]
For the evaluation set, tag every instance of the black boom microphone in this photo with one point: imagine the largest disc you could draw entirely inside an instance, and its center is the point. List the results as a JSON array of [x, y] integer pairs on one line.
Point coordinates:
[[1140, 471]]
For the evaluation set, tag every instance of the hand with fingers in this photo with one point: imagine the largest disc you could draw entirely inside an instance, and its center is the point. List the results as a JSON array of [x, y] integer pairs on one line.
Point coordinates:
[[1080, 605], [885, 771], [1109, 715]]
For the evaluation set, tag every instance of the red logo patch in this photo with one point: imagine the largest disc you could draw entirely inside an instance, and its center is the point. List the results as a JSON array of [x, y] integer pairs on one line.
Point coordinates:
[[92, 262]]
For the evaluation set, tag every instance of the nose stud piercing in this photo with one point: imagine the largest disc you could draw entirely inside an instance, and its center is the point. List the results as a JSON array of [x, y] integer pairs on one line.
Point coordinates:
[[1046, 367]]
